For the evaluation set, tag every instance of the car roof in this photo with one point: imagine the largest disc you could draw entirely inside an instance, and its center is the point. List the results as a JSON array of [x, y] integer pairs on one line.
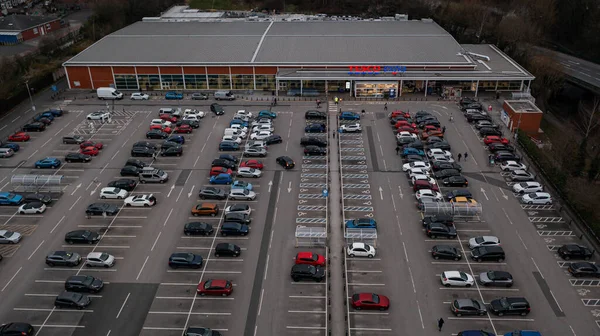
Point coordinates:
[[452, 273], [94, 255], [218, 282], [358, 245]]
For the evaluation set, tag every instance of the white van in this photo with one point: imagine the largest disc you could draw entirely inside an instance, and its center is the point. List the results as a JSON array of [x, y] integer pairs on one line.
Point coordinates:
[[108, 93], [224, 95]]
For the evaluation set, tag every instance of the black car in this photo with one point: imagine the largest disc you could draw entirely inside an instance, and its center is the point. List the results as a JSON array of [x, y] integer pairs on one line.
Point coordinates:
[[307, 272], [439, 218], [156, 134], [172, 151], [462, 307], [413, 158], [234, 229], [485, 131], [16, 328], [145, 144], [455, 181], [485, 123], [72, 300], [584, 269], [136, 163], [433, 139], [82, 237], [199, 331], [286, 162], [34, 127], [466, 101], [503, 156], [418, 144], [63, 258], [459, 193], [445, 252], [126, 184], [442, 174], [273, 139], [185, 260], [198, 228], [212, 193], [223, 163], [314, 150], [510, 306], [440, 165], [217, 109], [441, 145], [491, 253], [313, 141], [142, 151], [315, 128], [575, 251], [130, 171], [84, 283], [99, 209], [192, 123], [229, 157], [77, 157], [435, 230], [476, 117], [227, 250], [199, 96], [168, 144], [471, 106], [405, 141], [238, 217], [497, 147], [36, 197], [73, 140], [315, 115]]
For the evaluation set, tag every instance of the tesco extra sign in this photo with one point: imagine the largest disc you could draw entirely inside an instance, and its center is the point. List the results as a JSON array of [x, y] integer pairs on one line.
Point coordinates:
[[375, 69]]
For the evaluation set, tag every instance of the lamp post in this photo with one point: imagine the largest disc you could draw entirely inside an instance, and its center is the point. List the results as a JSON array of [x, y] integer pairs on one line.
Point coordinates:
[[30, 98]]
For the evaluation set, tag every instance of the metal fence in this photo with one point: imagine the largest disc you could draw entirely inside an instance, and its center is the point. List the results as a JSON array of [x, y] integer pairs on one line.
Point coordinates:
[[307, 236], [367, 236]]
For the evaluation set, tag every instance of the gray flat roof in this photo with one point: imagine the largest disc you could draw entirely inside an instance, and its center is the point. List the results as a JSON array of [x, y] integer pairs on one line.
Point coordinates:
[[18, 22]]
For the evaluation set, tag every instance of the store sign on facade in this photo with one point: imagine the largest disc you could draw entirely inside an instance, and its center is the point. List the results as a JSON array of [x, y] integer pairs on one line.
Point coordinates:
[[354, 70]]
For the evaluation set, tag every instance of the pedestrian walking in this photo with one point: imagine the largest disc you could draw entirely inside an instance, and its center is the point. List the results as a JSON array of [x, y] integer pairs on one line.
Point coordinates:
[[318, 103], [274, 101], [397, 150], [444, 130], [385, 107], [333, 134], [440, 324], [335, 100], [363, 113], [466, 156], [459, 156]]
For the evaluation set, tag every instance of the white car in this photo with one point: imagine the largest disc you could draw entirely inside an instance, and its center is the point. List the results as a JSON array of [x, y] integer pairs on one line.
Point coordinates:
[[263, 121], [242, 194], [483, 241], [241, 117], [161, 122], [441, 158], [351, 128], [32, 208], [194, 112], [438, 151], [191, 117], [416, 164], [238, 208], [98, 115], [99, 259], [244, 113], [456, 278], [241, 128], [405, 134], [260, 135], [9, 237], [429, 193], [422, 177], [111, 192], [417, 171], [249, 172], [232, 138], [512, 165], [361, 250], [259, 128], [139, 96], [537, 198], [140, 200], [527, 187]]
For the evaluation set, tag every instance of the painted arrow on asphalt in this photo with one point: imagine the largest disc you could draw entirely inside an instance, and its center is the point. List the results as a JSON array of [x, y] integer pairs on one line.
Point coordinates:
[[270, 185], [503, 195], [381, 192], [77, 187], [290, 187], [191, 191], [170, 191], [401, 194], [484, 194]]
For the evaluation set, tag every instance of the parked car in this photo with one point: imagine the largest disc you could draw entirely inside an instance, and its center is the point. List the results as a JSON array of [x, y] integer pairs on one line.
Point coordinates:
[[91, 151], [527, 187], [100, 259], [370, 301], [315, 128], [63, 258], [360, 250], [227, 250], [198, 228], [496, 278], [307, 272], [286, 162], [315, 151], [139, 96], [521, 175], [37, 197], [510, 306], [221, 179], [199, 96], [238, 208], [212, 193], [78, 157], [82, 237], [512, 165], [34, 127], [72, 300], [445, 252], [209, 209], [9, 198], [113, 193], [488, 131], [99, 209], [539, 198], [500, 147], [48, 162], [84, 283], [32, 208], [351, 128], [19, 137], [502, 156], [469, 306], [584, 269], [313, 114], [10, 237], [575, 251], [361, 223], [488, 253], [127, 184], [435, 230], [185, 260], [217, 109], [172, 95], [456, 278], [234, 229], [130, 171], [156, 134], [455, 181], [218, 287], [228, 146], [273, 139], [483, 241]]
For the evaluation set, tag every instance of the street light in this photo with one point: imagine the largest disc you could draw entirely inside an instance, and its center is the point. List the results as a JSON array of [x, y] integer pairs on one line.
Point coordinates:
[[30, 99]]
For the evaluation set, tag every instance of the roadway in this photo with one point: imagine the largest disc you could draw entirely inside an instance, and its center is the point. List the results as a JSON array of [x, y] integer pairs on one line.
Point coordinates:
[[581, 70]]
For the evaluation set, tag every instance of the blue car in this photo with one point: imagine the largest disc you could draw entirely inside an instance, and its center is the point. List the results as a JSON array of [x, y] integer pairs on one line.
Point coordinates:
[[15, 147], [177, 139], [173, 95], [266, 114], [361, 223], [48, 162], [40, 117], [412, 151], [48, 115], [221, 179], [238, 122], [237, 184], [55, 112], [349, 116], [315, 128], [7, 198], [228, 146]]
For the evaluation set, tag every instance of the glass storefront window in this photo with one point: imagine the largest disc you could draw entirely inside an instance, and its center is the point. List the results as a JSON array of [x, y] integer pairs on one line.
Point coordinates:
[[126, 82], [502, 85], [265, 82], [243, 82], [487, 85], [375, 89], [336, 86], [172, 82], [514, 85], [195, 82], [149, 82], [217, 82]]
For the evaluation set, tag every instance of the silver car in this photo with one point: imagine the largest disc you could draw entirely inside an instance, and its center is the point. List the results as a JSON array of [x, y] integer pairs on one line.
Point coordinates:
[[249, 172], [100, 259], [496, 278], [9, 237], [521, 175], [260, 152]]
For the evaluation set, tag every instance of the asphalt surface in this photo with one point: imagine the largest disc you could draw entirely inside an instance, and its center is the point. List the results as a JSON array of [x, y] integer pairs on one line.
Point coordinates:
[[144, 297], [578, 68]]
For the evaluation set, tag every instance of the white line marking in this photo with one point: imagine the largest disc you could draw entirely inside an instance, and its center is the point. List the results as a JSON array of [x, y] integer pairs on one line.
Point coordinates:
[[60, 221], [11, 279], [123, 305], [155, 241], [37, 248], [141, 269]]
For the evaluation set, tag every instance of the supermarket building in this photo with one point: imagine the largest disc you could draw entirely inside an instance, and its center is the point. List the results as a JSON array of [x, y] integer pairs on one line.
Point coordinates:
[[366, 58]]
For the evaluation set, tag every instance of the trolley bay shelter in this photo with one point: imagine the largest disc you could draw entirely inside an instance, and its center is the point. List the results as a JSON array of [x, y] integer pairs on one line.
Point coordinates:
[[365, 58]]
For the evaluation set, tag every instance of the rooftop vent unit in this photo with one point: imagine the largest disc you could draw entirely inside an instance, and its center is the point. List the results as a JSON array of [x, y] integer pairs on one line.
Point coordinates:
[[479, 56]]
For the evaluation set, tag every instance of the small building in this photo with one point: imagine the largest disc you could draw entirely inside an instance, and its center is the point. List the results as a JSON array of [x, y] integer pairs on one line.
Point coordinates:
[[523, 115], [15, 29]]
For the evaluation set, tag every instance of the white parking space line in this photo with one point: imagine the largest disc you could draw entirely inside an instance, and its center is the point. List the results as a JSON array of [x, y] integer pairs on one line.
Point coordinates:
[[365, 284], [54, 295], [52, 309], [11, 279], [191, 298], [58, 325], [186, 313], [87, 269], [307, 311], [114, 226], [299, 327], [368, 313], [306, 297], [482, 289]]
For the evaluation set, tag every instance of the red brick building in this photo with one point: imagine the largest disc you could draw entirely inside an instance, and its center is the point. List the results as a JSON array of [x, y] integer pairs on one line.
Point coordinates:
[[18, 28]]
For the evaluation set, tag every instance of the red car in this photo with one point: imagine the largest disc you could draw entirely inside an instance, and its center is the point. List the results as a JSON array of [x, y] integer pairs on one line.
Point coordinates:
[[215, 287], [494, 138], [399, 113], [86, 144], [183, 129], [431, 128], [256, 164], [310, 258], [407, 129], [370, 301], [165, 129], [93, 151], [19, 137], [423, 184], [401, 123], [168, 117], [214, 171]]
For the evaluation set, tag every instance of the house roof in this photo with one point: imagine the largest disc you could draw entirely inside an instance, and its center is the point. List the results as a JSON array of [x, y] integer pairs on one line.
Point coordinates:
[[19, 23]]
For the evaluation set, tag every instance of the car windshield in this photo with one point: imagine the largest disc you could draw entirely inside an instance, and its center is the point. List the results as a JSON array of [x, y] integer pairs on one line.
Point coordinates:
[[375, 298], [532, 195], [104, 256], [504, 303], [479, 240], [11, 195], [463, 276], [86, 234], [88, 280], [315, 257], [245, 191], [8, 234], [189, 257], [312, 269]]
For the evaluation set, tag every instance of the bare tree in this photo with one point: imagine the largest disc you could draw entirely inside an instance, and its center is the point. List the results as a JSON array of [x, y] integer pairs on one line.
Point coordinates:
[[589, 116]]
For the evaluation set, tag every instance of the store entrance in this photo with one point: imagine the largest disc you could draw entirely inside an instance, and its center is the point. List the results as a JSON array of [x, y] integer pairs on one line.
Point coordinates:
[[375, 89]]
